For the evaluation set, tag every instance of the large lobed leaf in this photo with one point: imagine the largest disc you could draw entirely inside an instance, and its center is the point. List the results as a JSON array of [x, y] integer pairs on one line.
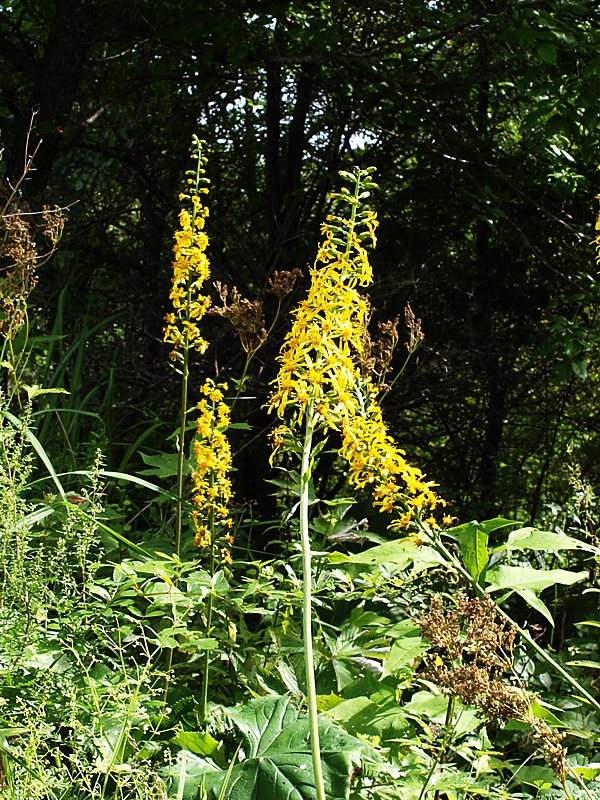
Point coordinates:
[[277, 763]]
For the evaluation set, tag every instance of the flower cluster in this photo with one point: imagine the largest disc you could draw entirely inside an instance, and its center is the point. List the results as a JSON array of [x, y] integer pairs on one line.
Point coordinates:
[[471, 652], [246, 316], [190, 267], [319, 364], [20, 256], [211, 482]]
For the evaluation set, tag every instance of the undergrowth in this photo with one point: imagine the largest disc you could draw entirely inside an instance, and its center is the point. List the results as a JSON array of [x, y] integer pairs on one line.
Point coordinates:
[[428, 660]]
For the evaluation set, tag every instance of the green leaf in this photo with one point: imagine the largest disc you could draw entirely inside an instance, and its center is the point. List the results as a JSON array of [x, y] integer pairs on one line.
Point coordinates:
[[427, 704], [579, 367], [203, 744], [534, 601], [278, 758], [489, 525], [37, 446], [403, 651], [503, 577], [400, 553], [588, 772], [36, 391], [533, 539], [547, 52], [164, 465], [472, 542]]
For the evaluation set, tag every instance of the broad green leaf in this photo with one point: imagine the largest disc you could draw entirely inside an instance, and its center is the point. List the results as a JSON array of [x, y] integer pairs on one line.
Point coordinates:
[[36, 391], [540, 711], [164, 465], [533, 539], [203, 744], [579, 367], [345, 711], [588, 772], [534, 601], [325, 702], [278, 758], [396, 552], [489, 525], [547, 52], [427, 704], [403, 651], [504, 577], [371, 716], [472, 542], [189, 773]]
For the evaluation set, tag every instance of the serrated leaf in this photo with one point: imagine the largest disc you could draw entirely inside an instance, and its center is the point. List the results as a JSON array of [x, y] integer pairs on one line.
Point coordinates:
[[403, 651], [203, 744], [278, 758], [164, 465], [533, 539], [400, 553], [588, 772], [504, 577]]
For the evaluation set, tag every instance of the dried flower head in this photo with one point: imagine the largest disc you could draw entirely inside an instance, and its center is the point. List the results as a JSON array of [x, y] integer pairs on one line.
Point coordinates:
[[282, 282], [415, 333], [471, 652], [246, 316], [20, 256], [377, 353]]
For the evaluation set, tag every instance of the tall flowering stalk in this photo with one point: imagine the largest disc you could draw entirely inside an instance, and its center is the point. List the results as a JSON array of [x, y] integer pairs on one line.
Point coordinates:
[[190, 272], [321, 388], [211, 486], [211, 494], [320, 371]]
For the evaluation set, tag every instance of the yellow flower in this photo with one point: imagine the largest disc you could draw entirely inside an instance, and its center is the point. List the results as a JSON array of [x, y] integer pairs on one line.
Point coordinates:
[[190, 270], [212, 452], [318, 367]]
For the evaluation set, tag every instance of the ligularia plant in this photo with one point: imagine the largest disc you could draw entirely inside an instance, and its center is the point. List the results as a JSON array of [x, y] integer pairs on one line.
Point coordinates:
[[190, 272], [320, 388], [211, 485]]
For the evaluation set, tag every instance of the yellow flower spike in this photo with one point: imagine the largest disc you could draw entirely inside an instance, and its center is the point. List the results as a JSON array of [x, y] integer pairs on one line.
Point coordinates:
[[190, 267], [212, 453], [317, 364]]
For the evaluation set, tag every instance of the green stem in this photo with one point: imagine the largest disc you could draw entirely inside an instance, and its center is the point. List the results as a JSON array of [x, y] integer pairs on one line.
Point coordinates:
[[181, 448], [209, 613], [311, 690], [185, 374], [439, 759]]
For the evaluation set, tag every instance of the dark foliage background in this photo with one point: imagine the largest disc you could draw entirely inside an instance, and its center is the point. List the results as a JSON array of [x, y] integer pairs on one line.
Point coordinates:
[[482, 119]]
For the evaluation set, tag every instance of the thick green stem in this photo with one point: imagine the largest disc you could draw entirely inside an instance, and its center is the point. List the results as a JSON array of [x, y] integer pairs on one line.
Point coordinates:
[[181, 450], [209, 612], [311, 690]]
